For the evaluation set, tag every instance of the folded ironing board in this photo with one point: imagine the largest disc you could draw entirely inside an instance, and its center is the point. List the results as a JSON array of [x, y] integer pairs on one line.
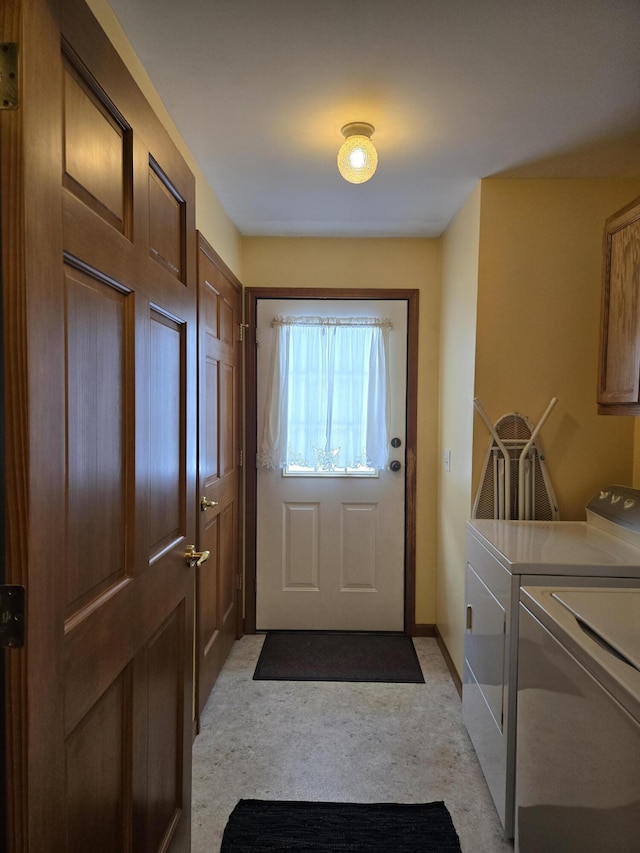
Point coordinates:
[[515, 483]]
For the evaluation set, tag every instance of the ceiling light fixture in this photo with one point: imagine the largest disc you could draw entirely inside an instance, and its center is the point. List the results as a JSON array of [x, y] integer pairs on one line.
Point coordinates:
[[357, 157]]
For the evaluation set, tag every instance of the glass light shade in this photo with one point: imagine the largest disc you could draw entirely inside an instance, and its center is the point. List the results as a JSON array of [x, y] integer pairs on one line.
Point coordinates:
[[357, 158]]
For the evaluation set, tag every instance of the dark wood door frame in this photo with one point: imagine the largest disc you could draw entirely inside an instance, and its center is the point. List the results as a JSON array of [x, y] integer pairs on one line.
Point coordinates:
[[252, 294]]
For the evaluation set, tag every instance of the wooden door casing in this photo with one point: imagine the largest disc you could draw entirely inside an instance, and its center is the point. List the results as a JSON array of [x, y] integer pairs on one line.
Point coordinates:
[[99, 299], [252, 295], [218, 610]]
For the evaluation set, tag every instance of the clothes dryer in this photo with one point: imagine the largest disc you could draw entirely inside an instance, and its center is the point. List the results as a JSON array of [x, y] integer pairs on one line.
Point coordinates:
[[578, 725]]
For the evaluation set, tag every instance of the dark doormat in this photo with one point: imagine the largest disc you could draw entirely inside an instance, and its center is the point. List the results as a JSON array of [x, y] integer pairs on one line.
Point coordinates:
[[338, 656], [258, 826]]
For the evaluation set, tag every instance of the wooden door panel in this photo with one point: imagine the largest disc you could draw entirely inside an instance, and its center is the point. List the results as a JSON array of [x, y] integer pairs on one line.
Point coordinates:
[[209, 305], [209, 461], [166, 222], [217, 585], [227, 312], [165, 661], [98, 336], [166, 433], [217, 598], [228, 452], [96, 147], [98, 794], [228, 566], [208, 593], [220, 451]]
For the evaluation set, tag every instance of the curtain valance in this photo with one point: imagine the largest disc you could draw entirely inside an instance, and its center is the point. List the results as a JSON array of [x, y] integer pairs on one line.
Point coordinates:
[[331, 321]]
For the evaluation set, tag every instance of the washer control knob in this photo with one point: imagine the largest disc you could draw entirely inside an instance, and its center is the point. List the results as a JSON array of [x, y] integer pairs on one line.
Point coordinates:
[[604, 495], [629, 503], [615, 499]]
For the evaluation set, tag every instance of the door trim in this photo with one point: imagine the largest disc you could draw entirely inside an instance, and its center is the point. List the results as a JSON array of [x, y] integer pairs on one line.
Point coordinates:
[[252, 294]]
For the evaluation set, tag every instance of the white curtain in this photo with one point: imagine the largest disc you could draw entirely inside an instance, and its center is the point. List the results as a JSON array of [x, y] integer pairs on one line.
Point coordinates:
[[327, 401]]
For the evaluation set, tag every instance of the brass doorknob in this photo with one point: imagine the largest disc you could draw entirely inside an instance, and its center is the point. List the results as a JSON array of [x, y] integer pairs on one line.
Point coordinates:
[[194, 557], [205, 504]]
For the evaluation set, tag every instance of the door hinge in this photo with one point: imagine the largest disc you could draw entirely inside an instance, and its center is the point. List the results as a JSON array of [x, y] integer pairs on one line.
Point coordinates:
[[241, 459], [8, 76], [239, 581], [12, 616], [241, 331]]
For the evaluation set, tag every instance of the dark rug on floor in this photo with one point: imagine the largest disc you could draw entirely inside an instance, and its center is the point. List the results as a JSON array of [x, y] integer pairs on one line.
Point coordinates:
[[258, 826], [337, 656]]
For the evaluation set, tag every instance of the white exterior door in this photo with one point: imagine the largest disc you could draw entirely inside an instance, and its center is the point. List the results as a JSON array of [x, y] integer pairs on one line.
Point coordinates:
[[330, 548]]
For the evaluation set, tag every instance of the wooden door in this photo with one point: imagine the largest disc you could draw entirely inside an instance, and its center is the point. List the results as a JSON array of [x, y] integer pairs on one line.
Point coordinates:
[[99, 299], [219, 507], [330, 545]]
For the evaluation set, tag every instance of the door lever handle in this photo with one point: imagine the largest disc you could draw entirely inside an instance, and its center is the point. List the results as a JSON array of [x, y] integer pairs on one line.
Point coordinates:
[[205, 504], [194, 557]]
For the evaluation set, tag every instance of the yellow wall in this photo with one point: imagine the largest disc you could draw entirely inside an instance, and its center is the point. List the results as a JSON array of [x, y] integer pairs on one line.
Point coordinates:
[[460, 247], [211, 219], [375, 263], [537, 328]]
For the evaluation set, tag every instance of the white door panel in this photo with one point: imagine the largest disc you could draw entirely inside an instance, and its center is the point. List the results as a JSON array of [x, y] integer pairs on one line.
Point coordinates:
[[330, 549]]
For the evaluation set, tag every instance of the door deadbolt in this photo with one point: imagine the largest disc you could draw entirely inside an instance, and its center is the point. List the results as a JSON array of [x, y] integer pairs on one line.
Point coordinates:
[[396, 442]]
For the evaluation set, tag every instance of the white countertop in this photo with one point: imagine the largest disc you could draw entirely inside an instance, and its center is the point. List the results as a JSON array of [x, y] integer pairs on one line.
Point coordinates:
[[556, 548]]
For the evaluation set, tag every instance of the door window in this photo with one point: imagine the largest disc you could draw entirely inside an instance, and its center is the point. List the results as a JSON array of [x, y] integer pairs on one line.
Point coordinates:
[[327, 408]]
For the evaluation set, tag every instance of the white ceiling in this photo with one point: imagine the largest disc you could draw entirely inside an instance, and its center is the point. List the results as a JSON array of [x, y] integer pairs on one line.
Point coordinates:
[[457, 90]]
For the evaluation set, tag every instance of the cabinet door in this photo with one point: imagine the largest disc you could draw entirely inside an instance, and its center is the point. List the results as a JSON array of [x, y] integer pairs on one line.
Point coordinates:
[[620, 332]]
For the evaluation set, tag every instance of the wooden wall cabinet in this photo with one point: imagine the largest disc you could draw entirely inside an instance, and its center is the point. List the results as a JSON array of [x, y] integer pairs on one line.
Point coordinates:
[[619, 370]]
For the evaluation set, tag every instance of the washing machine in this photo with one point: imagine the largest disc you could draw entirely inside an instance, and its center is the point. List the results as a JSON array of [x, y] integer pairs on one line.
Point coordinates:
[[578, 724]]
